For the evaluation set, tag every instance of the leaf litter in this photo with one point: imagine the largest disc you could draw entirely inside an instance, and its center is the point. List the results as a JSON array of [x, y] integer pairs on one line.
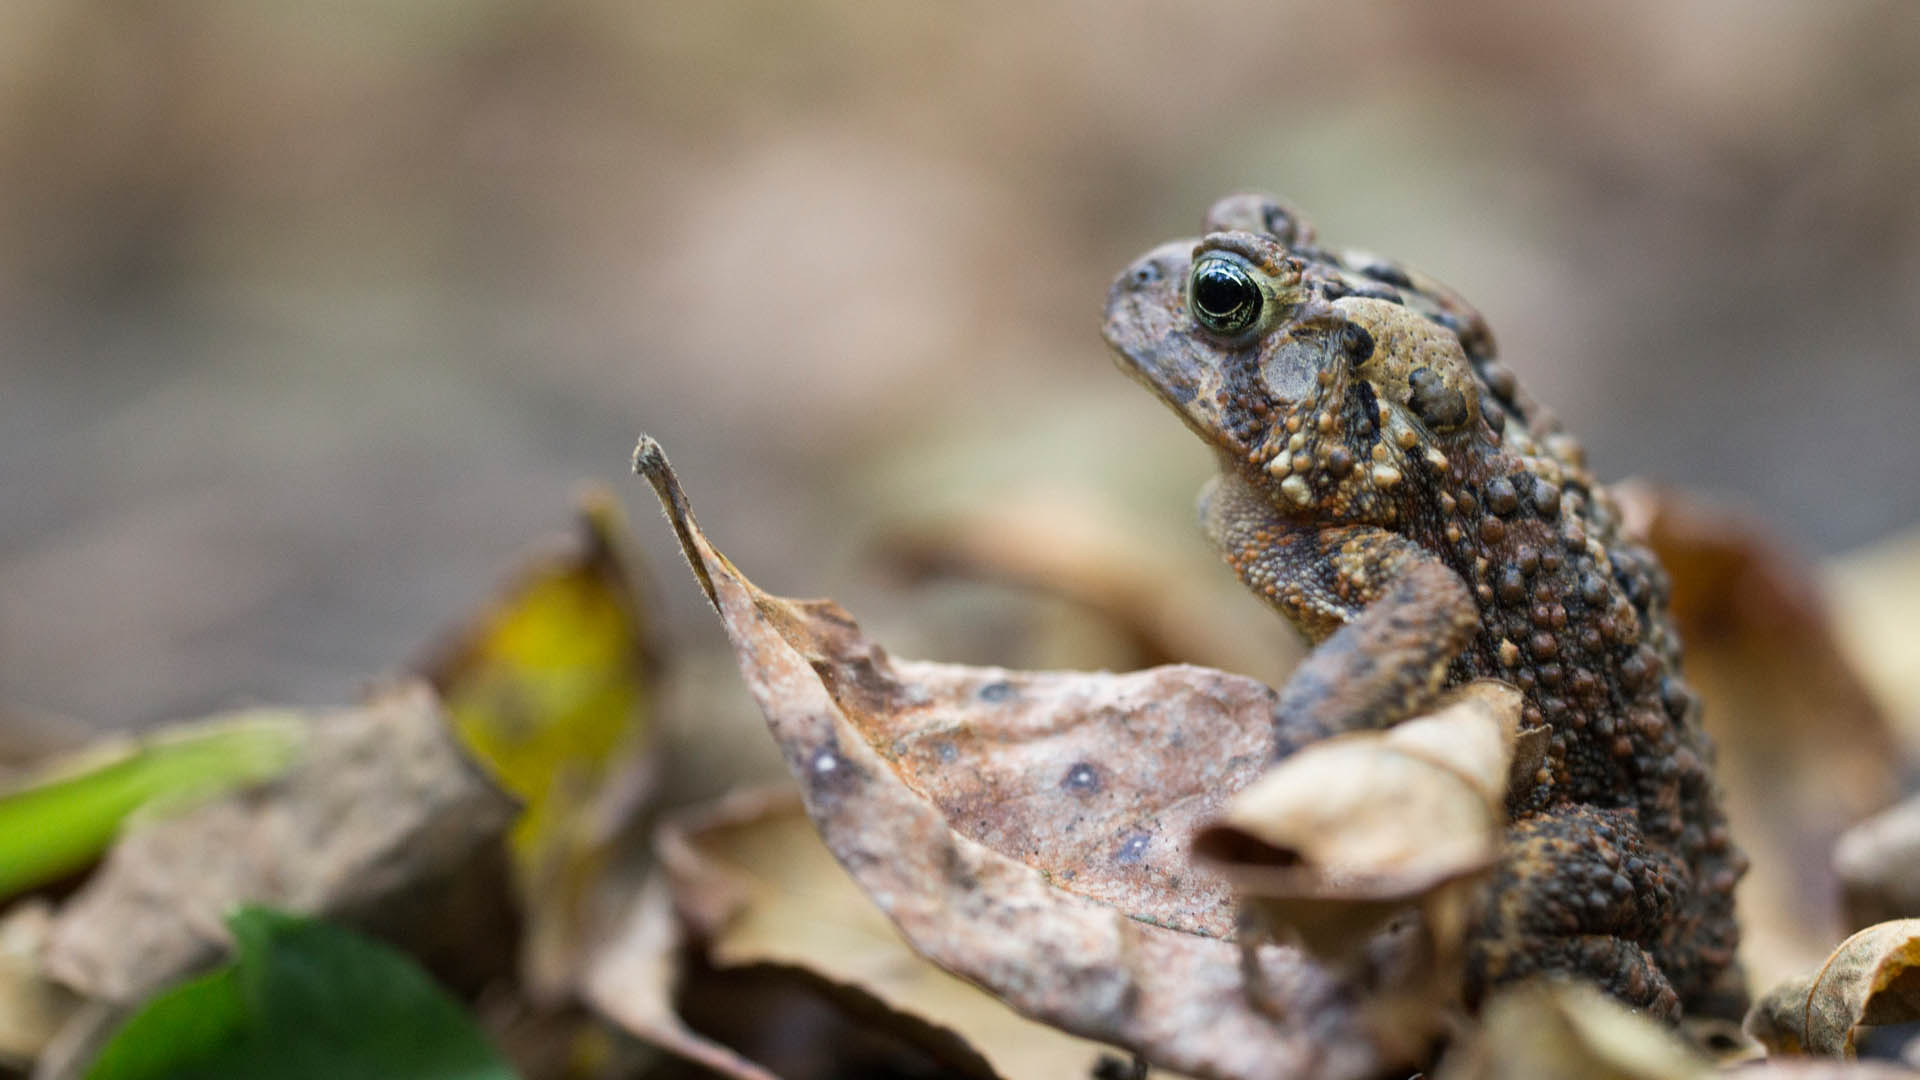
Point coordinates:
[[1024, 843], [748, 881], [382, 820], [1030, 831]]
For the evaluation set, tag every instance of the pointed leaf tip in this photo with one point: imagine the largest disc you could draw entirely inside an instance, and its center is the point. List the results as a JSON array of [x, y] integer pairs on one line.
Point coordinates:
[[650, 461]]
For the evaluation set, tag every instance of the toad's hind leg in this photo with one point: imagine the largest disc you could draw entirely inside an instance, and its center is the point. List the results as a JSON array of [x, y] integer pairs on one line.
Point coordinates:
[[1385, 616], [1576, 892]]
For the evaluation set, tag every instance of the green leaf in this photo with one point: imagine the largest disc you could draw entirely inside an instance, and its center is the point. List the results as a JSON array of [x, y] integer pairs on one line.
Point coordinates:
[[59, 823], [303, 1000]]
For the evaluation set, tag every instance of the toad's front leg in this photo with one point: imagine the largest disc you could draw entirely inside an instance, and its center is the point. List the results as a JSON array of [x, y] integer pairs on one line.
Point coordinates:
[[1385, 616]]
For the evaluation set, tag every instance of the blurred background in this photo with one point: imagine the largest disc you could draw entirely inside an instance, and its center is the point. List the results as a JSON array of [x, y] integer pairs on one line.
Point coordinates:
[[312, 317]]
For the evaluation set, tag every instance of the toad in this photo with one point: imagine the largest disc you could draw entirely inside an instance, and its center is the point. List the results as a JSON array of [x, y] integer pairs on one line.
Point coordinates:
[[1388, 487]]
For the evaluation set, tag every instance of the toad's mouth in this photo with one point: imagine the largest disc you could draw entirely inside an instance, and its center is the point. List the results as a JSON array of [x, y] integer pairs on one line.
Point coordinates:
[[1154, 342], [1182, 376], [1237, 401], [1282, 409]]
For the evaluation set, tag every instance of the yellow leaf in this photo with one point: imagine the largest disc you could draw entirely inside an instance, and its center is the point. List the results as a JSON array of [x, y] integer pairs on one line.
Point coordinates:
[[549, 689]]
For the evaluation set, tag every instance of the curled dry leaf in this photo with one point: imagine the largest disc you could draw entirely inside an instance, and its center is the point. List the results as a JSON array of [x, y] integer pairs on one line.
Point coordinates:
[[1029, 832], [1788, 711], [383, 821], [755, 884], [1878, 862], [1872, 979], [1348, 831], [1570, 1031], [632, 979]]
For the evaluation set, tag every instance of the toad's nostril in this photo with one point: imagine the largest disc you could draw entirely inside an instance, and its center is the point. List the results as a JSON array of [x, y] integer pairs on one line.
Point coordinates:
[[1145, 274]]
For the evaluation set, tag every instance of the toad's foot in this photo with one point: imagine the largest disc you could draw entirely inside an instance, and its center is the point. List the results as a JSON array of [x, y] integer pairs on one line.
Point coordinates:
[[1576, 893]]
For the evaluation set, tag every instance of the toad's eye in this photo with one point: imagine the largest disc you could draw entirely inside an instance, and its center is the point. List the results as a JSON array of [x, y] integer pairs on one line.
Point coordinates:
[[1224, 295]]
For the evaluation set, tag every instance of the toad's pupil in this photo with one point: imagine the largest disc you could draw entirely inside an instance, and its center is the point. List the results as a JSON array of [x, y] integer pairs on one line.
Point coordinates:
[[1226, 299]]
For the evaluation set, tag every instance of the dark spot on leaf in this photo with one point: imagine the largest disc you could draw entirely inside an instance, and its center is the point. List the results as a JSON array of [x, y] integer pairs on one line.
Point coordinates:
[[955, 870], [828, 772], [996, 692], [1082, 777]]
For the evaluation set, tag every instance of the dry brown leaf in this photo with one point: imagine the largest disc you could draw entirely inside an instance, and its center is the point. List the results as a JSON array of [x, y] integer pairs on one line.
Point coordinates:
[[1347, 832], [1028, 832], [632, 978], [1878, 862], [383, 822], [753, 877], [1789, 714], [1569, 1031], [1872, 979]]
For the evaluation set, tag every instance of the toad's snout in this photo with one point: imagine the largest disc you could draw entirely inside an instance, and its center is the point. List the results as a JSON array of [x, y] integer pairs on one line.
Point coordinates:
[[1153, 337]]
